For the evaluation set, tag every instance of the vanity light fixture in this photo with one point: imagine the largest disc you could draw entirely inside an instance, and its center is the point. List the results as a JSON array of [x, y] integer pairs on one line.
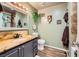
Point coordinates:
[[19, 6], [23, 7]]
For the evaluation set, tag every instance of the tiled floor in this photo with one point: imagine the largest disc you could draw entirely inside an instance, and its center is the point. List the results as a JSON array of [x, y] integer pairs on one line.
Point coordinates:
[[50, 52]]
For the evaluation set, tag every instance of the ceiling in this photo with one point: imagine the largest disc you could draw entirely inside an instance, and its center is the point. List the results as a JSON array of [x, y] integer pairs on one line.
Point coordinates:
[[41, 5]]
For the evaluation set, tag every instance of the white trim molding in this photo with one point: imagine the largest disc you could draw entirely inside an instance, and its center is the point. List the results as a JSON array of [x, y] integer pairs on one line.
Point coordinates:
[[57, 48]]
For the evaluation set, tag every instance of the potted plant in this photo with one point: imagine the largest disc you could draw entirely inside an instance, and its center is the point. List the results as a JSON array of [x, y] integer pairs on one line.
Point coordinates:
[[36, 18]]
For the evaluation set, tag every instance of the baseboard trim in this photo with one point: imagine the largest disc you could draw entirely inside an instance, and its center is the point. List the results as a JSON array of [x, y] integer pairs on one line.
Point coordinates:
[[56, 48]]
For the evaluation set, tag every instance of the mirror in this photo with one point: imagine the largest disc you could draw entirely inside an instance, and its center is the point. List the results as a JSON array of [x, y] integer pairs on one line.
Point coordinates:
[[20, 20], [12, 18]]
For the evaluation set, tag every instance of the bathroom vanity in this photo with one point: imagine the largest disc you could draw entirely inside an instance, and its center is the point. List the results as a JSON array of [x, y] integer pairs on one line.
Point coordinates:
[[25, 46], [27, 49]]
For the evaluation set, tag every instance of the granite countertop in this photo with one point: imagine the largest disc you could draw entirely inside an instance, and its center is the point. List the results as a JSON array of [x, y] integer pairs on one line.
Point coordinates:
[[10, 43]]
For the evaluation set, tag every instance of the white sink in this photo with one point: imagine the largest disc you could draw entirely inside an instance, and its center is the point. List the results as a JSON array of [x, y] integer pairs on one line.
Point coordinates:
[[35, 34]]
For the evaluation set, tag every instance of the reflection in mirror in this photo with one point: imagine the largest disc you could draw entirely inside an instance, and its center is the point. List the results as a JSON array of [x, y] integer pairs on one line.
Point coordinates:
[[20, 20], [12, 18], [7, 17]]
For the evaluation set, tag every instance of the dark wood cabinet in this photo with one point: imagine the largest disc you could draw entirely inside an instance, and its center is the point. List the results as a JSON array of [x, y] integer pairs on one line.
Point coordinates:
[[35, 47], [28, 49], [15, 52]]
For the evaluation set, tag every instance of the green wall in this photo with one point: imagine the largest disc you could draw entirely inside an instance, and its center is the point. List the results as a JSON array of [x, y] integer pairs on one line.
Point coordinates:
[[53, 32]]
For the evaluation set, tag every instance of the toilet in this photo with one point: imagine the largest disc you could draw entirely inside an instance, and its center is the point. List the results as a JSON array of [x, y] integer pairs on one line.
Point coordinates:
[[41, 43]]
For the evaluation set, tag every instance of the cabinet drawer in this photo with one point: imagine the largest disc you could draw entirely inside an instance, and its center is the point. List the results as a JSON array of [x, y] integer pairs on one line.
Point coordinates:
[[11, 53]]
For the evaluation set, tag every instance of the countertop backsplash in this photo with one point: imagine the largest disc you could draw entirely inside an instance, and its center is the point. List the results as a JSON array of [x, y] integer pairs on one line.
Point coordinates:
[[12, 34]]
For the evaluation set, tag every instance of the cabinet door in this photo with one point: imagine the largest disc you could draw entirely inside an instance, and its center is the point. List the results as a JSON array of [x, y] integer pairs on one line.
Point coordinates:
[[35, 47], [28, 49], [35, 43], [11, 53]]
